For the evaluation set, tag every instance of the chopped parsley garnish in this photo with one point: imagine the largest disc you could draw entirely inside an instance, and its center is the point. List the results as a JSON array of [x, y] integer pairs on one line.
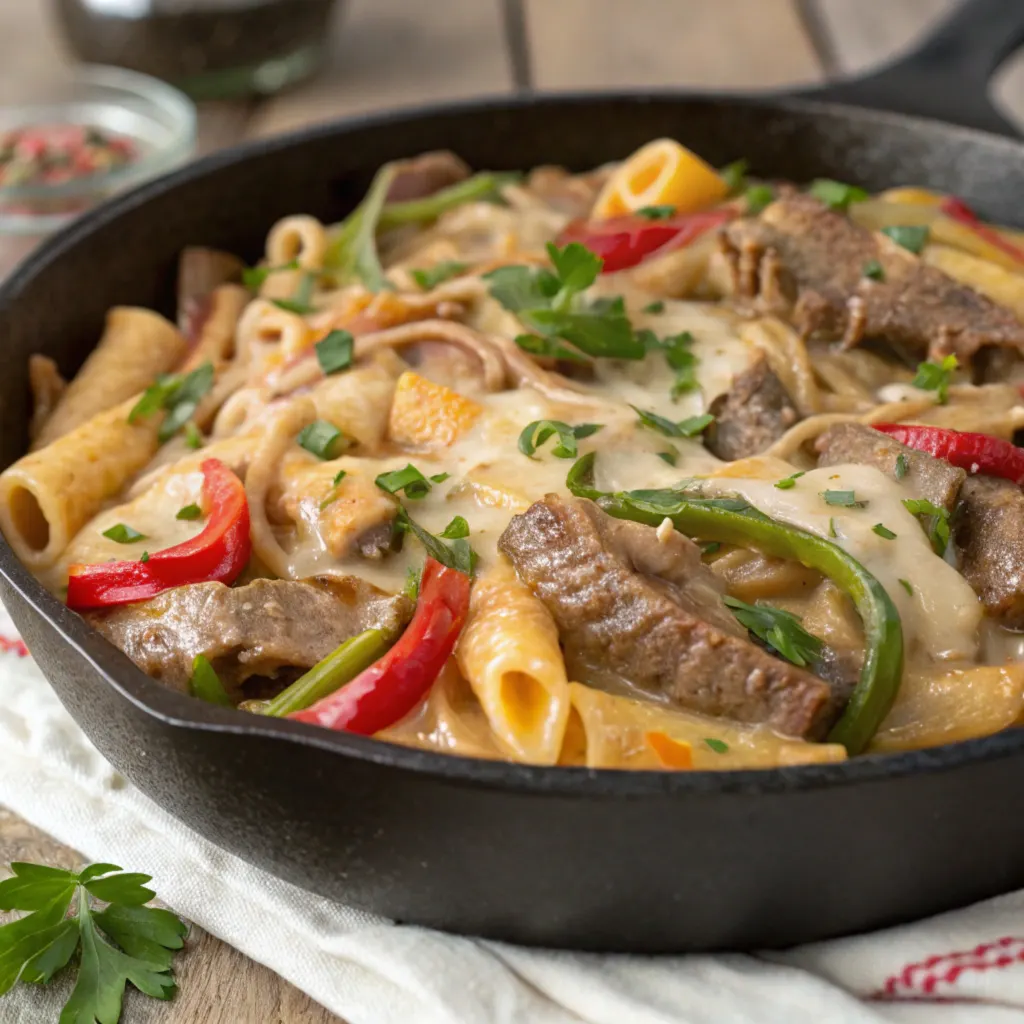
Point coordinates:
[[789, 482], [874, 270], [548, 348], [254, 277], [412, 583], [780, 630], [457, 555], [431, 277], [905, 584], [192, 511], [125, 941], [322, 439], [537, 433], [551, 304], [710, 547], [439, 478], [654, 307], [690, 427], [912, 237], [302, 301], [456, 529], [718, 746], [409, 481], [656, 212], [735, 174], [670, 455], [832, 528], [332, 494], [193, 438], [758, 197], [122, 533], [334, 353], [205, 683], [145, 557], [934, 519], [836, 195], [901, 466], [678, 355], [339, 476], [883, 531], [936, 377], [844, 499], [178, 394]]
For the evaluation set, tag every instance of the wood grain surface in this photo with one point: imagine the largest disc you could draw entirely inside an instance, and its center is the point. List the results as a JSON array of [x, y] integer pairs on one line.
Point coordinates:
[[387, 53]]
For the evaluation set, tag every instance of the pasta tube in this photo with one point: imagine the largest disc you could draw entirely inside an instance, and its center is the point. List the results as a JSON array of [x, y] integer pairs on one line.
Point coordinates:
[[509, 653], [47, 496], [136, 346]]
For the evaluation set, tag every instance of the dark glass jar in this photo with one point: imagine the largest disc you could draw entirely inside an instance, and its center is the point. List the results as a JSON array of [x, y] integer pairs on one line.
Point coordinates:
[[211, 49]]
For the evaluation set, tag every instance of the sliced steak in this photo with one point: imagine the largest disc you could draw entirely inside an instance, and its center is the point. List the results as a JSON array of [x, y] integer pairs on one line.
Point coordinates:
[[424, 175], [253, 630], [650, 614], [989, 530], [751, 416], [926, 476], [802, 259]]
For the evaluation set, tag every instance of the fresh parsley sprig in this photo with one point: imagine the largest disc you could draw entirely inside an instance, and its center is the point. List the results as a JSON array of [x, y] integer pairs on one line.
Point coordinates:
[[690, 427], [780, 630], [126, 941], [934, 519], [456, 555], [178, 394], [537, 433], [936, 377]]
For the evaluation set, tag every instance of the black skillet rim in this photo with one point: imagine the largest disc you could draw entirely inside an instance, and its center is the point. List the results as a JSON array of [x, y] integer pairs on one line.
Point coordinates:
[[179, 711]]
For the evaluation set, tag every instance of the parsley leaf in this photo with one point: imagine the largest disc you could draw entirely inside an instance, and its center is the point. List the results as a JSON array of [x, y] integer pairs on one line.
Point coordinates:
[[205, 683], [905, 584], [352, 252], [548, 348], [536, 434], [456, 529], [883, 531], [334, 352], [125, 942], [550, 304], [690, 427], [654, 307], [780, 630], [189, 512], [122, 533], [789, 482], [144, 557], [439, 478], [832, 528], [457, 555], [254, 277], [409, 481], [836, 195], [656, 212], [735, 174], [901, 466], [934, 519], [670, 455], [431, 277], [301, 302], [874, 270], [322, 439], [936, 377], [178, 394], [193, 438], [718, 746], [758, 197], [912, 237], [844, 499]]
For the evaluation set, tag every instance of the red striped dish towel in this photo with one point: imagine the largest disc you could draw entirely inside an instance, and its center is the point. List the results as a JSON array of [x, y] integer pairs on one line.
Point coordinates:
[[965, 967]]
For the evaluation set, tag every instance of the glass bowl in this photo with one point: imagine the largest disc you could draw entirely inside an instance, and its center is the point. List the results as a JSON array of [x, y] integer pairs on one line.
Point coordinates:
[[156, 118]]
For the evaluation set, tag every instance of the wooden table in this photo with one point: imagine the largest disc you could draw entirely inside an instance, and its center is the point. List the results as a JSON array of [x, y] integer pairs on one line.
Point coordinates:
[[394, 52]]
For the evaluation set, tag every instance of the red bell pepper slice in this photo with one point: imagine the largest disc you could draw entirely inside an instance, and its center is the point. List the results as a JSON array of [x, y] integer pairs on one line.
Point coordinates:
[[391, 687], [977, 453], [219, 552], [958, 210], [623, 242]]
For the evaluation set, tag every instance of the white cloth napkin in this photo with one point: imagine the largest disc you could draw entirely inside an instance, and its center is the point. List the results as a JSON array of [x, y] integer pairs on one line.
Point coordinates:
[[965, 967]]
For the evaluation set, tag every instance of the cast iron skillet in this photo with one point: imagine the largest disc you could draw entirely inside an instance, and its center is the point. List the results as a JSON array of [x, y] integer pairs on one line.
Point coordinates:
[[596, 860]]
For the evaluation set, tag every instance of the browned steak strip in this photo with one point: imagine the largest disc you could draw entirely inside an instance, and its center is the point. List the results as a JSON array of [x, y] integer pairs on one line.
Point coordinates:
[[751, 416], [799, 258], [926, 476], [989, 530], [426, 174], [669, 634], [245, 631]]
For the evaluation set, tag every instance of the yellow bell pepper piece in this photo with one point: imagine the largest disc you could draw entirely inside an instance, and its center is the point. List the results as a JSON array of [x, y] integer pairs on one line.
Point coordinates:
[[427, 414], [662, 173]]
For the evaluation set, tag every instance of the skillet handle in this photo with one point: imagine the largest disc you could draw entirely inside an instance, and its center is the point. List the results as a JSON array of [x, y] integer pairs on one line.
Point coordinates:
[[946, 76]]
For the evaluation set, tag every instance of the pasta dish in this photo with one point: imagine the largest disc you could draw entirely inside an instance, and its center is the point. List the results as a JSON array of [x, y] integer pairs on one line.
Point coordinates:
[[656, 466]]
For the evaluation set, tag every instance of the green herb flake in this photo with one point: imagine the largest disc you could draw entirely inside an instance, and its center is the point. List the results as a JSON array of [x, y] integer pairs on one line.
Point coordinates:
[[912, 237], [145, 557], [758, 197], [656, 212], [789, 482], [874, 270], [689, 427], [189, 512], [412, 583], [339, 476], [439, 478], [456, 529], [431, 277], [457, 555], [534, 435], [901, 466], [254, 277], [710, 547], [780, 630], [718, 746], [334, 353], [843, 499], [408, 481], [294, 306], [548, 348], [905, 584], [883, 531], [735, 175], [934, 519], [670, 455], [122, 533], [836, 195], [176, 393], [832, 528], [654, 307], [322, 439], [193, 436], [936, 377]]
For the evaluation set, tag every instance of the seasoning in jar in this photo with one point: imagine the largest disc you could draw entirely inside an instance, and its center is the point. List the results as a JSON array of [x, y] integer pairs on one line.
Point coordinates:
[[55, 154]]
